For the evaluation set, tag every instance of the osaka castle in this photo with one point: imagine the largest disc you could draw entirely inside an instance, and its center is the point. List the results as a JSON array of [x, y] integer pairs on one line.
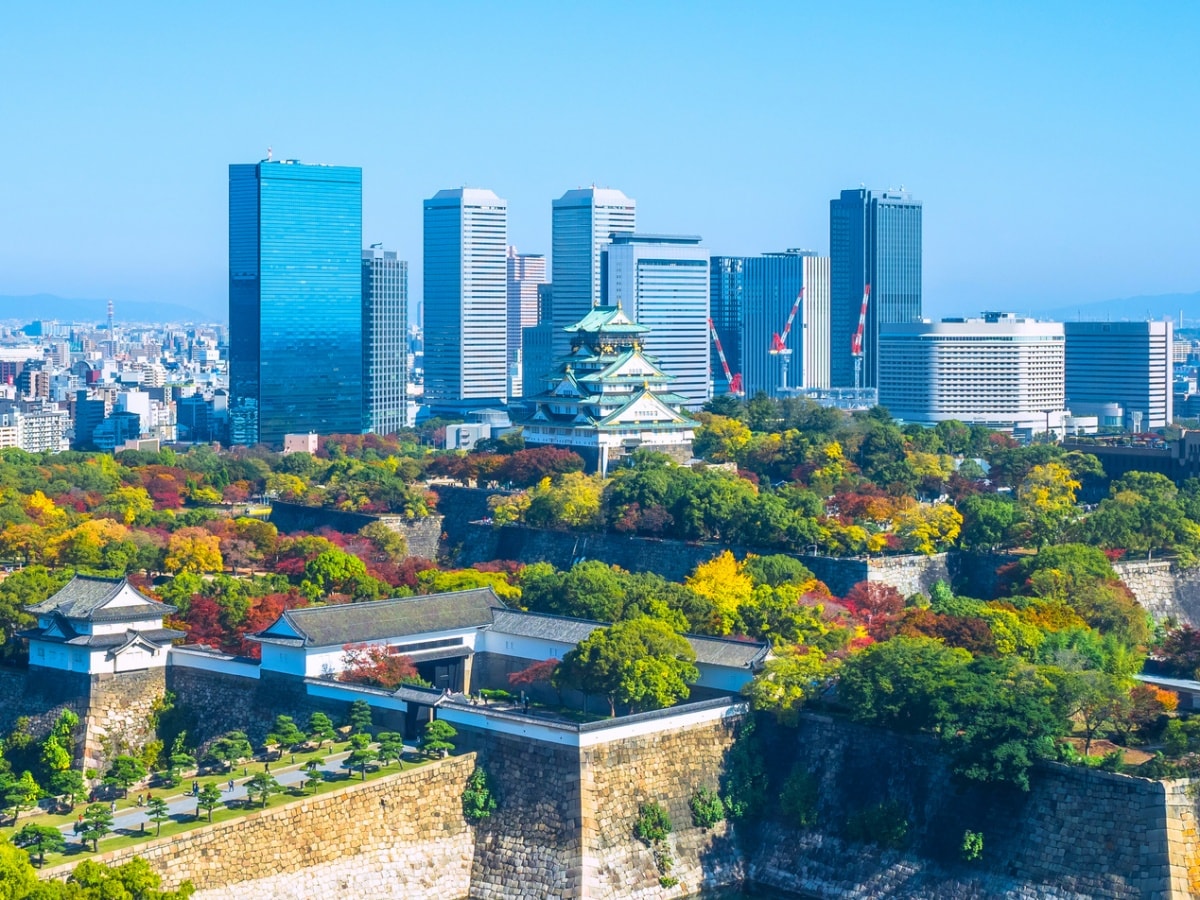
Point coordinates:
[[608, 398]]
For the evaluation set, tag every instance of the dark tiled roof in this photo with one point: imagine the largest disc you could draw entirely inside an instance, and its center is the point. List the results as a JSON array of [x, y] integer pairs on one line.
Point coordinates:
[[105, 641], [85, 596], [327, 626], [709, 650]]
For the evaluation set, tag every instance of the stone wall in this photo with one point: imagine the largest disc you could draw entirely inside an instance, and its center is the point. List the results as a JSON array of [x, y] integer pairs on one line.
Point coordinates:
[[422, 534], [119, 714], [41, 697], [675, 560], [1165, 589], [400, 836], [1077, 832]]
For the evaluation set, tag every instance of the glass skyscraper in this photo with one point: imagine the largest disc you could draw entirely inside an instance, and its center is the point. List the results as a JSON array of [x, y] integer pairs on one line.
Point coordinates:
[[752, 297], [526, 276], [582, 225], [466, 300], [875, 239], [661, 281], [385, 340], [295, 300]]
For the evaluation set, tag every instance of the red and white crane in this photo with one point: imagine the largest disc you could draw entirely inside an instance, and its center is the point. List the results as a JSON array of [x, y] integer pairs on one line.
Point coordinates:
[[856, 343], [779, 345], [735, 380]]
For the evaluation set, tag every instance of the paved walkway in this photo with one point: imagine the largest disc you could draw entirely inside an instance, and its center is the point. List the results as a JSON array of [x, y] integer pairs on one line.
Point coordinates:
[[182, 806]]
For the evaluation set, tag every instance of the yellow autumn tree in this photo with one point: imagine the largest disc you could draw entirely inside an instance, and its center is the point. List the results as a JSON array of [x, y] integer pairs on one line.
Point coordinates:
[[1046, 499], [45, 511], [929, 529], [724, 582], [193, 550], [83, 545], [721, 439], [128, 503]]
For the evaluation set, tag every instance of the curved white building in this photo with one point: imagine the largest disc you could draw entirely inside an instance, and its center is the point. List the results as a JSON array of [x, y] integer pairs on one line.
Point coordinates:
[[999, 370]]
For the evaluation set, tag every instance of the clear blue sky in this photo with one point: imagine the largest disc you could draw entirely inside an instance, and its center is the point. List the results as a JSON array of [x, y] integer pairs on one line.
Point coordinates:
[[1055, 145]]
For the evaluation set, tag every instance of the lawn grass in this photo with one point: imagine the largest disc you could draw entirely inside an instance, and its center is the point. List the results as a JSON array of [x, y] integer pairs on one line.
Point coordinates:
[[181, 823]]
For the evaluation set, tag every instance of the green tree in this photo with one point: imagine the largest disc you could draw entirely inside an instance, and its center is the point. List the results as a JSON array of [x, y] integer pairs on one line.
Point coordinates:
[[435, 737], [903, 683], [987, 521], [97, 822], [124, 772], [40, 839], [360, 716], [790, 680], [229, 748], [361, 754], [285, 734], [333, 569], [262, 785], [17, 877], [478, 800], [208, 799], [391, 746], [158, 812], [67, 785], [21, 794], [320, 728]]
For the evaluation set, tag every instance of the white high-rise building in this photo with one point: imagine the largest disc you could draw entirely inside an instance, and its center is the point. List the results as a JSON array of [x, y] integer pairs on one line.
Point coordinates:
[[1001, 370], [526, 273], [662, 282], [385, 340], [583, 222], [1125, 367], [466, 300]]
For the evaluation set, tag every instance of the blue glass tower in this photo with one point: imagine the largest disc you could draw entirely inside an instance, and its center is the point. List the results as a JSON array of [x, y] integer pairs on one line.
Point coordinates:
[[295, 300], [875, 239]]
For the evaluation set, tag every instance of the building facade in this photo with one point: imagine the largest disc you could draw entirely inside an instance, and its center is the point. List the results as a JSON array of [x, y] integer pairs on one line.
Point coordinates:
[[662, 281], [385, 340], [526, 275], [1126, 364], [999, 370], [874, 239], [609, 397], [295, 300], [582, 225], [752, 297], [466, 300]]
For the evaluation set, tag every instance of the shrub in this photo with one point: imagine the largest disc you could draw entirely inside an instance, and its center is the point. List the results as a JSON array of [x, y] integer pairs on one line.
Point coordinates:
[[707, 808], [478, 800], [972, 846], [653, 823], [798, 799], [883, 824]]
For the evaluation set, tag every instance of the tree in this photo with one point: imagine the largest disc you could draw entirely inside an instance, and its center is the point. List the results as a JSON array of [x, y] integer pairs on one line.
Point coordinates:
[[435, 737], [262, 785], [158, 812], [536, 673], [134, 879], [124, 772], [320, 728], [1046, 499], [723, 581], [67, 785], [929, 529], [285, 734], [193, 550], [721, 439], [17, 877], [478, 800], [360, 716], [640, 662], [360, 754], [97, 822], [987, 521], [21, 794], [40, 839], [1095, 701], [375, 665], [391, 746], [902, 683], [333, 569], [230, 748], [208, 799], [790, 680]]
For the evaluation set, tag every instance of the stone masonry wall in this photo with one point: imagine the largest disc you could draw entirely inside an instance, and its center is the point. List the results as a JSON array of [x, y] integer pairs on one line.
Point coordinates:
[[422, 534], [1166, 590], [1076, 833], [675, 560], [667, 768], [119, 715], [41, 696], [402, 836]]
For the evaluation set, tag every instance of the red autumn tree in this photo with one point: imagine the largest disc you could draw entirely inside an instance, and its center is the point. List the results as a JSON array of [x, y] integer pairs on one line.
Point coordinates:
[[538, 673], [372, 664], [871, 602]]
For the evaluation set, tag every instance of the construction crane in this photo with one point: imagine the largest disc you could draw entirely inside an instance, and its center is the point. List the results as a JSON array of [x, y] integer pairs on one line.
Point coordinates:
[[779, 345], [735, 381], [856, 343]]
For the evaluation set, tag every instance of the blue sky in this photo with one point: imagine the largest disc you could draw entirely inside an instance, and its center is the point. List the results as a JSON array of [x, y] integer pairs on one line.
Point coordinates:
[[1054, 145]]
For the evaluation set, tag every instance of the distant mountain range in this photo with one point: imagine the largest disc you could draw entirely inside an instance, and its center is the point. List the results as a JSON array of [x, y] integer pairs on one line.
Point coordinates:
[[1159, 306], [48, 306]]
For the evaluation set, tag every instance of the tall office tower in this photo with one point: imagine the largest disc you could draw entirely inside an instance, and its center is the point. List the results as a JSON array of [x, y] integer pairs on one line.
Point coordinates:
[[1001, 370], [526, 275], [1122, 371], [295, 300], [385, 340], [752, 298], [583, 221], [662, 281], [875, 239], [466, 300]]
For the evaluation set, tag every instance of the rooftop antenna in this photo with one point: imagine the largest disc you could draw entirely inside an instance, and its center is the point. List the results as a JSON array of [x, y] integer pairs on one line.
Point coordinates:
[[270, 154]]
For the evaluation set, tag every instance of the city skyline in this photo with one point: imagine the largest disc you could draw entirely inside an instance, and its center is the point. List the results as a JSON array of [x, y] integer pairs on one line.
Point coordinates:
[[1069, 154]]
